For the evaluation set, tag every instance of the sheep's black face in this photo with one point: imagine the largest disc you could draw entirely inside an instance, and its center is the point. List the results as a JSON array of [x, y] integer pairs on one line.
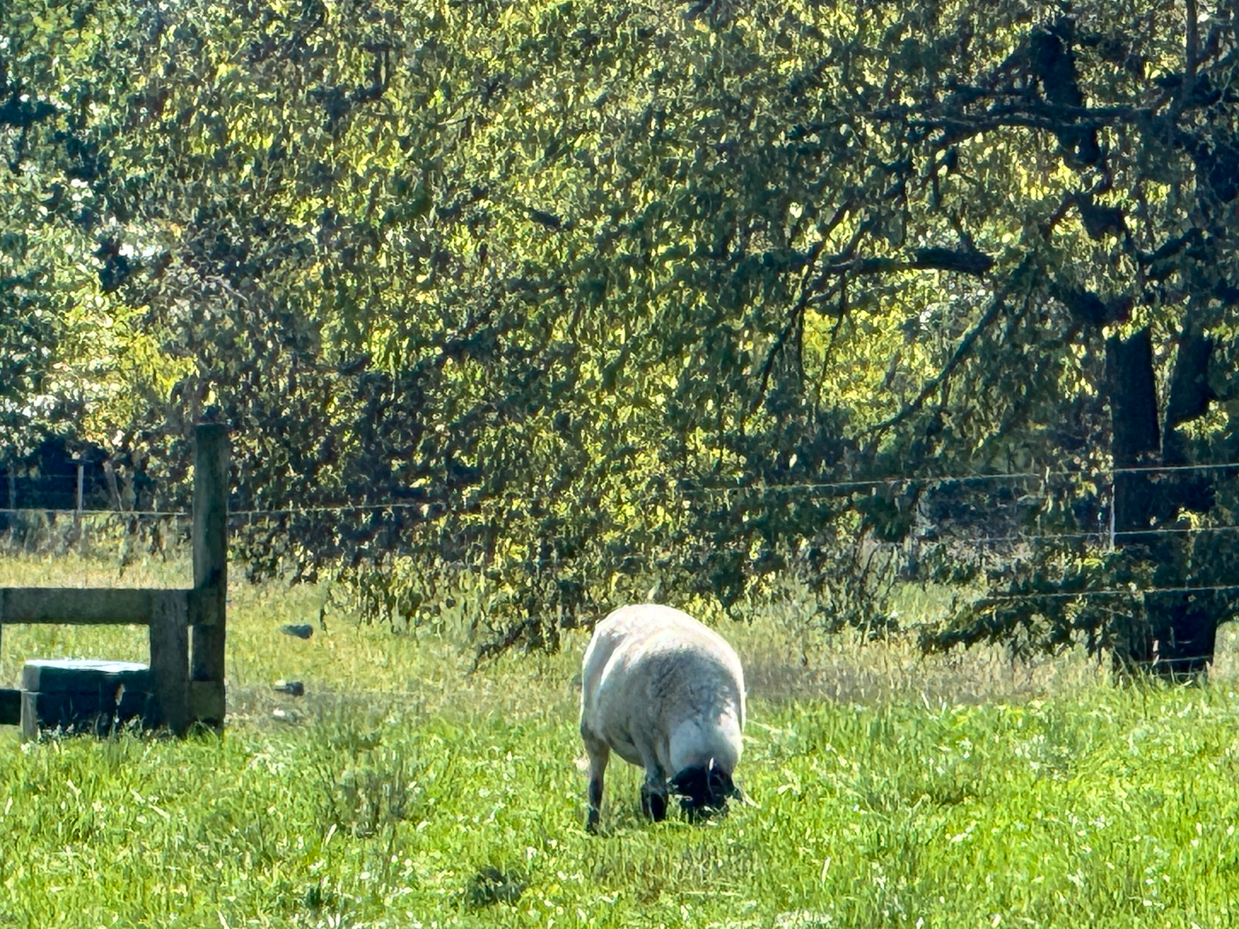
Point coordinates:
[[703, 790]]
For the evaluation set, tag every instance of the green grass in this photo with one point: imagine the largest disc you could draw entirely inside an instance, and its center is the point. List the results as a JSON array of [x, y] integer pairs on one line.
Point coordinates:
[[403, 791]]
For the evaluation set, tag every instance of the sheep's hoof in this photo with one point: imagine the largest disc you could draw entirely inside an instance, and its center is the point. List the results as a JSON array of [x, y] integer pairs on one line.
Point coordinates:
[[653, 804]]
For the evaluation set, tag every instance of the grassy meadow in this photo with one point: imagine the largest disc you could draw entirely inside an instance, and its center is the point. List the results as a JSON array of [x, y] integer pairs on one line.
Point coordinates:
[[404, 791]]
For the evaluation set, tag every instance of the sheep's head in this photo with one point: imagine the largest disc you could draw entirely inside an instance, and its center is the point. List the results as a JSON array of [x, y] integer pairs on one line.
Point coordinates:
[[704, 789]]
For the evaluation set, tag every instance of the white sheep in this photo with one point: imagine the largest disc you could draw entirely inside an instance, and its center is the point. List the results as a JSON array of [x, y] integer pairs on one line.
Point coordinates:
[[667, 694]]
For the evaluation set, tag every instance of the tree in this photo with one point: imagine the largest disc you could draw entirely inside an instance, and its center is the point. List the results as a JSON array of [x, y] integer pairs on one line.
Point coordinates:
[[590, 296], [1139, 250]]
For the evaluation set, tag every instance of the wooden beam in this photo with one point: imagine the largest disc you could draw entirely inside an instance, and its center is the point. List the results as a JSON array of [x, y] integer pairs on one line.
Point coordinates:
[[81, 606]]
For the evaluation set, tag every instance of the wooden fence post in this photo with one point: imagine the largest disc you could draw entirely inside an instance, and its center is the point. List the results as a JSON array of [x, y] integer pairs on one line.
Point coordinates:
[[77, 509], [169, 640], [210, 544]]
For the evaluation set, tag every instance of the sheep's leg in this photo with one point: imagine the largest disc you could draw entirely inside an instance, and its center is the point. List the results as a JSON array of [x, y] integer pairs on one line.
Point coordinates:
[[654, 801], [599, 753], [654, 790]]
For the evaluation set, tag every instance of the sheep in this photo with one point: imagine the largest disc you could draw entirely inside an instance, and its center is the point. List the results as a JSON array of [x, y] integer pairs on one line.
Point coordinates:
[[667, 694]]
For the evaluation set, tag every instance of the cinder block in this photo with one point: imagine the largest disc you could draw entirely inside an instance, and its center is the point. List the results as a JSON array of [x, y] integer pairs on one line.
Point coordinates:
[[84, 696]]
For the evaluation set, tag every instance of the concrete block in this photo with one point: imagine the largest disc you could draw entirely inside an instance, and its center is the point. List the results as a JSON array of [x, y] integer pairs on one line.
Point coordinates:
[[84, 696]]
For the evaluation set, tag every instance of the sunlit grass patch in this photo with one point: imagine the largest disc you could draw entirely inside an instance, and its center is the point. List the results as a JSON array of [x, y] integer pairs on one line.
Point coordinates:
[[405, 789]]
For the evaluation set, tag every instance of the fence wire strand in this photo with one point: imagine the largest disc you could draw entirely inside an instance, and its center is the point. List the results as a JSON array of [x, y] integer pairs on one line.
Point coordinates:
[[1105, 476], [1132, 591], [759, 489]]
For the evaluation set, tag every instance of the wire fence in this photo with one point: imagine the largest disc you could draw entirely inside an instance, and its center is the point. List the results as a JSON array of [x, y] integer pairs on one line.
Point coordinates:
[[1133, 590], [1103, 478], [810, 487], [824, 489]]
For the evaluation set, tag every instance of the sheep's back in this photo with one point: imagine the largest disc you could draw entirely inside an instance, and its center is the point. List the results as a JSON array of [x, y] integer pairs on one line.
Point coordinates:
[[650, 668]]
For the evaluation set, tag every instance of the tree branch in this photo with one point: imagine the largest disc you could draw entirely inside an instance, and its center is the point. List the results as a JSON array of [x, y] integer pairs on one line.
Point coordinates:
[[957, 358], [966, 260]]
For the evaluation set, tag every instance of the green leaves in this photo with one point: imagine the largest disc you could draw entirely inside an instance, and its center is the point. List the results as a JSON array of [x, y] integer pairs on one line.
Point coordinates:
[[533, 287]]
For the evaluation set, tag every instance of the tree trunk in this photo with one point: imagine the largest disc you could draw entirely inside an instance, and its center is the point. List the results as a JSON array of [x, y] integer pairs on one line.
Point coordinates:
[[1173, 635], [1136, 436]]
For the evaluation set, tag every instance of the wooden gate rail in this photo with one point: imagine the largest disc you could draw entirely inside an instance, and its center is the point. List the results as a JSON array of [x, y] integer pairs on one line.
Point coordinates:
[[187, 626]]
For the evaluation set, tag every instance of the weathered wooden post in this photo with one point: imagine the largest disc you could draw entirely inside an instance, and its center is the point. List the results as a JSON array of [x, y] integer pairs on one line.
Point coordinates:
[[207, 602], [10, 700], [7, 698], [168, 628], [78, 505], [81, 486]]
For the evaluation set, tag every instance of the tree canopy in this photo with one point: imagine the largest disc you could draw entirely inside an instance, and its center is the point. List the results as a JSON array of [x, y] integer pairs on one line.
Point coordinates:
[[593, 296]]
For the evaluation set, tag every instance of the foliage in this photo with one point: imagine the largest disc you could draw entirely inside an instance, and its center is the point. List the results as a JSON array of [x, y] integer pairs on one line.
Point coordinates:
[[595, 297]]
